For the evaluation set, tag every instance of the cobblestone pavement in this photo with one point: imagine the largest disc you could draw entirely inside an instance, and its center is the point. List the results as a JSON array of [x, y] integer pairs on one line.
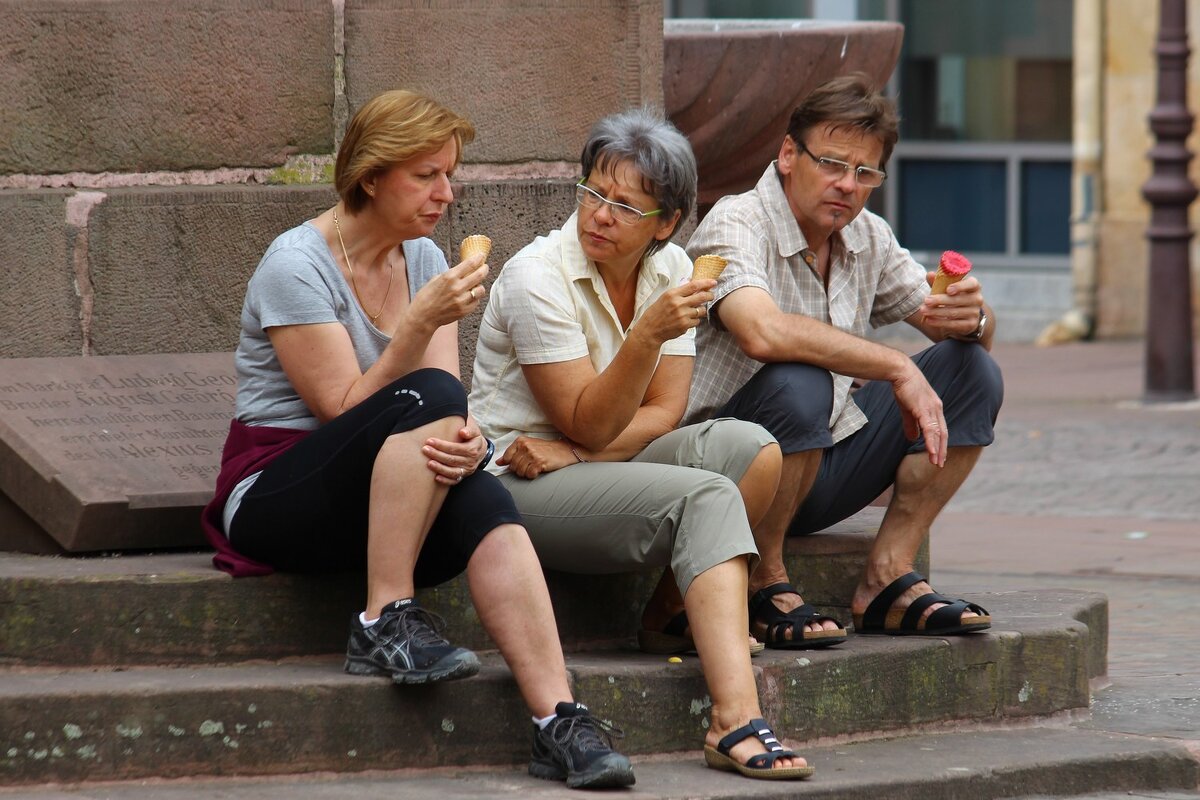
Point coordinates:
[[1087, 488], [1074, 440]]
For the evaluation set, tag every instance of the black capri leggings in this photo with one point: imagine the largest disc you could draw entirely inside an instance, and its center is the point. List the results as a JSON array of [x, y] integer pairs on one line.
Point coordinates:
[[308, 510]]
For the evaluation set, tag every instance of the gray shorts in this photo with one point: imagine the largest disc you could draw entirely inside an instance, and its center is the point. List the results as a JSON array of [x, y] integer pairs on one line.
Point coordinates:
[[674, 503]]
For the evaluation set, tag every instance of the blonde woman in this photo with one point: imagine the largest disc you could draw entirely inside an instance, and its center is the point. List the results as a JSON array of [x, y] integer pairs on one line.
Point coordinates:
[[353, 448]]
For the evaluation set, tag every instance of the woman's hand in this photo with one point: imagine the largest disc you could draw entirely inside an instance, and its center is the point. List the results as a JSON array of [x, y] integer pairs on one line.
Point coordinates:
[[676, 312], [450, 462], [451, 295], [529, 457]]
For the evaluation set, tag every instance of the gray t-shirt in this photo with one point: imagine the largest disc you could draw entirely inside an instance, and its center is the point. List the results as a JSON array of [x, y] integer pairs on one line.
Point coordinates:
[[297, 282]]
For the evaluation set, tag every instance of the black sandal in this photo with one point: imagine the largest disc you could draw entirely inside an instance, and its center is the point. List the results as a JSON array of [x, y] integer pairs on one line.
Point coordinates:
[[674, 639], [778, 622], [946, 621], [761, 765]]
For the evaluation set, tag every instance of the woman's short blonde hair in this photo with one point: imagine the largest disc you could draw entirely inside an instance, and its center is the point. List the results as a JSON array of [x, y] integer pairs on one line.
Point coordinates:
[[393, 127]]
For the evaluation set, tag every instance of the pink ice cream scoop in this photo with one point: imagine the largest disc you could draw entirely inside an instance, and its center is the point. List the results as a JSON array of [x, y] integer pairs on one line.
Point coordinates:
[[952, 268]]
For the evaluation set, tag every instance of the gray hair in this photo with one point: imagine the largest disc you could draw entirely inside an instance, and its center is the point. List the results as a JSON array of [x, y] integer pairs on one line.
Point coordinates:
[[656, 149]]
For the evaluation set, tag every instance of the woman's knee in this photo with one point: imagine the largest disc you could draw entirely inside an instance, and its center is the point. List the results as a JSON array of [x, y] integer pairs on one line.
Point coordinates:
[[732, 445], [422, 398], [429, 388], [502, 539]]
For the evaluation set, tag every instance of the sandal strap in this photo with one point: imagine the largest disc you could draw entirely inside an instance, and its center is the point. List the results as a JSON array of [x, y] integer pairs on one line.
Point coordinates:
[[765, 594], [759, 729], [876, 613], [778, 621], [912, 617], [950, 615], [795, 619]]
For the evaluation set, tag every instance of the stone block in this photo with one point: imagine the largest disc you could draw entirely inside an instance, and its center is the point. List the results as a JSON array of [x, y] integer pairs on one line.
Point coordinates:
[[532, 76], [175, 608], [513, 214], [304, 715], [252, 719], [110, 453], [39, 306], [169, 266], [135, 85]]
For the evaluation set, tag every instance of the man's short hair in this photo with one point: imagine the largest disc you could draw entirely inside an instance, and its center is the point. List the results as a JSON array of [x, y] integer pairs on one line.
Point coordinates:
[[848, 102]]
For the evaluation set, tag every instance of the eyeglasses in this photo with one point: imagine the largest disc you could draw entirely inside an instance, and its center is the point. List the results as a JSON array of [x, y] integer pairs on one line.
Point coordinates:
[[831, 167], [587, 197]]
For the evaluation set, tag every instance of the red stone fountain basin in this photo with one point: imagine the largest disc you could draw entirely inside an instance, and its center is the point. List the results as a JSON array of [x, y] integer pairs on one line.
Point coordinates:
[[730, 85]]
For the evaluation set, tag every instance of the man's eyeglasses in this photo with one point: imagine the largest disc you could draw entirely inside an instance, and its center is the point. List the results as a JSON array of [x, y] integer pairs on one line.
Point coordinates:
[[628, 215], [831, 167]]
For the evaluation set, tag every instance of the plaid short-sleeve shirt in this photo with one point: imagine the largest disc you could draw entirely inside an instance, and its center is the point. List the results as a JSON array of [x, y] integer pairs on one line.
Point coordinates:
[[873, 281], [549, 305]]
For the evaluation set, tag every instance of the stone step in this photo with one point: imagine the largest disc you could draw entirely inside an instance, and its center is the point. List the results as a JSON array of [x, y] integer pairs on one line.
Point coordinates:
[[980, 765], [305, 715], [175, 608]]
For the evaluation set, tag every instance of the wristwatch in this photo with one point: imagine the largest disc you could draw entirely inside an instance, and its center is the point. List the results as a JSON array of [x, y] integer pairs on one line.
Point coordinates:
[[977, 334]]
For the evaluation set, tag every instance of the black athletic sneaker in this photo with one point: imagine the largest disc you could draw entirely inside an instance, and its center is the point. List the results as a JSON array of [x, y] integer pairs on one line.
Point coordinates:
[[577, 747], [406, 643]]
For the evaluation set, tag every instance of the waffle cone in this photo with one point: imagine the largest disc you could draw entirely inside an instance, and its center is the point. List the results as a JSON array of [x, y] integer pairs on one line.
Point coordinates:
[[941, 280], [474, 244], [958, 270], [708, 266]]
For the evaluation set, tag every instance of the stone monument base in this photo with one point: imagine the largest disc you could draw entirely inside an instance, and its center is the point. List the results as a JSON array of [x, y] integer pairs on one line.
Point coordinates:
[[110, 452]]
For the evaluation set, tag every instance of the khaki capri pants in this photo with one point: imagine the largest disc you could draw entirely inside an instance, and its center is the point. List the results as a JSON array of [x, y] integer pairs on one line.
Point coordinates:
[[674, 503]]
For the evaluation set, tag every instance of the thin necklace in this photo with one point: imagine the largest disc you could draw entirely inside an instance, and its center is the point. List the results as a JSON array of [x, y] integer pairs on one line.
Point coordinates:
[[391, 273]]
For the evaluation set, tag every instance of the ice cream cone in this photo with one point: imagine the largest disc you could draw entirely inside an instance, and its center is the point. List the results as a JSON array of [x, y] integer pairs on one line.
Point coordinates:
[[951, 269], [708, 266], [474, 244]]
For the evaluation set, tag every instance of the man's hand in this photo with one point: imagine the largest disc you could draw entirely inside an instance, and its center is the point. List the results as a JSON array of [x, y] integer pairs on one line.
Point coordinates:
[[529, 456], [921, 414], [955, 313]]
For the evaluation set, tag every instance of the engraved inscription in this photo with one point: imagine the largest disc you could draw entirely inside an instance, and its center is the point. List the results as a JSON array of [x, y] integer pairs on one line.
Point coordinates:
[[162, 423]]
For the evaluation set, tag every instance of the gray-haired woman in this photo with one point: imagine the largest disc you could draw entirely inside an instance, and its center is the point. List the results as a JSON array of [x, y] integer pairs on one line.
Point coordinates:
[[582, 373]]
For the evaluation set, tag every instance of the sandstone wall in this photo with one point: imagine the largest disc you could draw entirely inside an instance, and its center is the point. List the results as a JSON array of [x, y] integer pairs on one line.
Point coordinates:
[[152, 150]]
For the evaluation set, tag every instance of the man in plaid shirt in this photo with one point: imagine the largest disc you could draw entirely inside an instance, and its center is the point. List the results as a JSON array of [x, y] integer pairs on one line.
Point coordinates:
[[810, 272]]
